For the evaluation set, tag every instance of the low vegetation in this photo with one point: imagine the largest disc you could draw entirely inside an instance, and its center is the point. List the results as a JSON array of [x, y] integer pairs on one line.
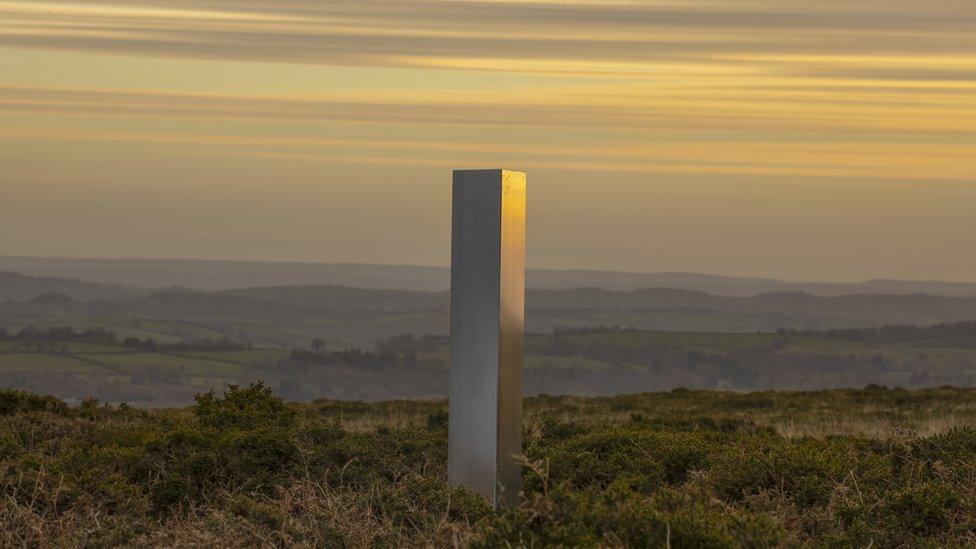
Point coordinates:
[[874, 467]]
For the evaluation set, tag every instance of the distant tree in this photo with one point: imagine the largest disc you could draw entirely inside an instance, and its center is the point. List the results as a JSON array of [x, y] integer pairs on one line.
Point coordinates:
[[318, 344], [29, 333], [99, 335], [61, 333], [51, 298], [397, 344], [410, 358]]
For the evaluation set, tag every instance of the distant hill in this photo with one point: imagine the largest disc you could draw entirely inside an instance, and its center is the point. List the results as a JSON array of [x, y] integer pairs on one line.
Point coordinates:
[[289, 316], [20, 287], [225, 275]]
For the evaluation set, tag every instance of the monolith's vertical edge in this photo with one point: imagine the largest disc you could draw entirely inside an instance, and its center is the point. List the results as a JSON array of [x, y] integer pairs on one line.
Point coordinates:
[[511, 331], [487, 323]]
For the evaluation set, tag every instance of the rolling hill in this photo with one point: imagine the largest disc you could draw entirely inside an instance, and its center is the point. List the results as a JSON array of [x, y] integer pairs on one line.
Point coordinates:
[[224, 275], [290, 316]]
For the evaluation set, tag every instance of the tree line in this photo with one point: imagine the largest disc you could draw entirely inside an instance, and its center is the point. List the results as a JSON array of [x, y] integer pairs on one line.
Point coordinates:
[[43, 338], [962, 334]]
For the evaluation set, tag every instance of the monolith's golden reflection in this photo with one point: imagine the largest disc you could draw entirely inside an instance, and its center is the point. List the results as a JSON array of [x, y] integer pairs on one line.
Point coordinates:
[[487, 323]]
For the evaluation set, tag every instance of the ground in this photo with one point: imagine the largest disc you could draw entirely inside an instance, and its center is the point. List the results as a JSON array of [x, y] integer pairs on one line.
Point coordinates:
[[873, 467]]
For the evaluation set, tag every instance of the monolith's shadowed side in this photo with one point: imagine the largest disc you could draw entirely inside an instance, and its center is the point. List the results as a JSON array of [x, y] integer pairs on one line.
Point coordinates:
[[487, 326]]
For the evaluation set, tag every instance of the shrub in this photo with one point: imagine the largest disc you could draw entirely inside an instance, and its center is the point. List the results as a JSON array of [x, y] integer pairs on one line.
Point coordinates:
[[924, 508], [805, 471], [19, 402], [243, 441], [638, 458], [624, 518], [252, 407]]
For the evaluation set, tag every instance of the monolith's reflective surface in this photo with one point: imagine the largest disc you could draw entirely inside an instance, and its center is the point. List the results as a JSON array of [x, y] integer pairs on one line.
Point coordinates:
[[487, 325]]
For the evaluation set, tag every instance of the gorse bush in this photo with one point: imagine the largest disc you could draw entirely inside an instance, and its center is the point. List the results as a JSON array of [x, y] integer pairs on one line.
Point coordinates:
[[629, 456], [14, 402], [253, 407], [685, 469], [622, 517], [235, 454]]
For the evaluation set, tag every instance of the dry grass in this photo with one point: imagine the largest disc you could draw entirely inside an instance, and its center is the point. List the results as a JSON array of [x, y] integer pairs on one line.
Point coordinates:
[[687, 468], [792, 414], [868, 427], [306, 513]]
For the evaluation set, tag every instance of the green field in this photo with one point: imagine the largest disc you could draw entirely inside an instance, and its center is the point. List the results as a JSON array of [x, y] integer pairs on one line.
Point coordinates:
[[696, 340], [117, 373], [590, 364], [44, 364]]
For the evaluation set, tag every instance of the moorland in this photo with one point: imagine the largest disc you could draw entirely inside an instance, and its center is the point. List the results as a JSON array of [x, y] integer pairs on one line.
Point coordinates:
[[314, 416], [874, 467]]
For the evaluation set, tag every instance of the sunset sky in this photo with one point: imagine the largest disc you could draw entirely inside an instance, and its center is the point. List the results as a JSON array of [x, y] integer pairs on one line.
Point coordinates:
[[827, 140]]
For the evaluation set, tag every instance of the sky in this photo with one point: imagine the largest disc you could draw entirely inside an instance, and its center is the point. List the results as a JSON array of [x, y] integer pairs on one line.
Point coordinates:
[[829, 140]]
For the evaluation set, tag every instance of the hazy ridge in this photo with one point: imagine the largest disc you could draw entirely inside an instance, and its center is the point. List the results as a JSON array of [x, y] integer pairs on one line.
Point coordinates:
[[225, 275], [168, 344], [288, 316]]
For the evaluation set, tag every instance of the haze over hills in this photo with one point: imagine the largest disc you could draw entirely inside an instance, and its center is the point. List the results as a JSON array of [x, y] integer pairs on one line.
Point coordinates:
[[160, 346], [290, 316], [226, 275]]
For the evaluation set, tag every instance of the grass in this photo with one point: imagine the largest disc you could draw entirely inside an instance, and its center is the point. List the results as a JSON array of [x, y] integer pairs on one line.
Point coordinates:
[[249, 356], [184, 365], [873, 412], [864, 468], [43, 363], [534, 362], [163, 331], [678, 339], [79, 358]]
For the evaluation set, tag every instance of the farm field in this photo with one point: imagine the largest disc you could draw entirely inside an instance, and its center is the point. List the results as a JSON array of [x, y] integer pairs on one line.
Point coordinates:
[[867, 468], [589, 363]]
